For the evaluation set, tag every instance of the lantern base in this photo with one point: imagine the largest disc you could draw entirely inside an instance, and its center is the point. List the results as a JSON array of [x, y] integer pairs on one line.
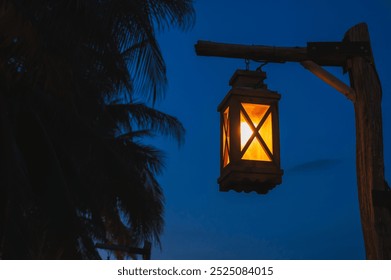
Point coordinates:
[[248, 181]]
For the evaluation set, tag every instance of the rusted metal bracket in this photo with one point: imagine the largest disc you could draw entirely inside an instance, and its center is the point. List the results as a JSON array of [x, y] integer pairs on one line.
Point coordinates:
[[333, 53], [346, 49]]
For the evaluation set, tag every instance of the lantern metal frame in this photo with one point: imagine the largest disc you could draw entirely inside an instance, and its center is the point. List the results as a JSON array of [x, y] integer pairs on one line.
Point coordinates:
[[237, 173]]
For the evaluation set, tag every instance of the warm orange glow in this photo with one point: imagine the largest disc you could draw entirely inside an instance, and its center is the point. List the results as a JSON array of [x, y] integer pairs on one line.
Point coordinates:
[[226, 137], [255, 112], [255, 150], [245, 132], [267, 132]]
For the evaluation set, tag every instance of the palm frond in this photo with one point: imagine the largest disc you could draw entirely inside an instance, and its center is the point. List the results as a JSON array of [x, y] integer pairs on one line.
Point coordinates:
[[73, 169], [173, 13], [132, 135], [149, 118]]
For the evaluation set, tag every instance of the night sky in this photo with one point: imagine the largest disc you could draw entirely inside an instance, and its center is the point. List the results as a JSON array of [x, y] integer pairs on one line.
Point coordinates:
[[314, 213]]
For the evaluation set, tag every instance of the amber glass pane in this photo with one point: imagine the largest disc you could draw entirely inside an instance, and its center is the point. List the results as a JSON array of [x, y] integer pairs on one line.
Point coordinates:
[[256, 152], [255, 112], [226, 137], [245, 131], [267, 132]]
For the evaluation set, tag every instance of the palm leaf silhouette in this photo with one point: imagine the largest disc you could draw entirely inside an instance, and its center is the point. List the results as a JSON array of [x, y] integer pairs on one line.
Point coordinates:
[[73, 169]]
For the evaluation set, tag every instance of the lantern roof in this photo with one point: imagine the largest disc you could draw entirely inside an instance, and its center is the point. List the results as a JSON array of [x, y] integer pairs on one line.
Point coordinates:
[[248, 79], [246, 83]]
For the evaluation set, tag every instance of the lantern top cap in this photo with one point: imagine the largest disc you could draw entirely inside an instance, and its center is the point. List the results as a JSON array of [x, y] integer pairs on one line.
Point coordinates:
[[248, 79]]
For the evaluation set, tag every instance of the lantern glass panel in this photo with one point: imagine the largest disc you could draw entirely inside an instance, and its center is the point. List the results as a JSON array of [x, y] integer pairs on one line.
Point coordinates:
[[226, 137], [256, 124], [245, 131], [267, 132], [255, 151], [255, 112]]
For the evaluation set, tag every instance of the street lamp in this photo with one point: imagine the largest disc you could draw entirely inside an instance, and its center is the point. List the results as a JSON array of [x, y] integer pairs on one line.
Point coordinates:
[[250, 144], [354, 55]]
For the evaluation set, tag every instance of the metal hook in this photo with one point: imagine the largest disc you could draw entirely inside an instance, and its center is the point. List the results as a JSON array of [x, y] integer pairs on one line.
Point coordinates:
[[247, 61], [259, 68]]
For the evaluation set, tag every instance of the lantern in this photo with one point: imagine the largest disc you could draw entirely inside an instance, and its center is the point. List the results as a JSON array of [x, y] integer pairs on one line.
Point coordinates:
[[250, 148]]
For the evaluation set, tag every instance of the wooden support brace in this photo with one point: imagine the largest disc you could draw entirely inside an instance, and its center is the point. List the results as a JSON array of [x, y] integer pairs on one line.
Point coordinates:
[[329, 78]]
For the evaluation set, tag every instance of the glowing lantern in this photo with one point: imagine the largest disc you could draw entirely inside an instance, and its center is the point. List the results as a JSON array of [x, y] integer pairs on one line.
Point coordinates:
[[250, 148]]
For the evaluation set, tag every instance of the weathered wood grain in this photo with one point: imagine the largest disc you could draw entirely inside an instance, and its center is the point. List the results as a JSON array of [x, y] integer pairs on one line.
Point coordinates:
[[375, 220]]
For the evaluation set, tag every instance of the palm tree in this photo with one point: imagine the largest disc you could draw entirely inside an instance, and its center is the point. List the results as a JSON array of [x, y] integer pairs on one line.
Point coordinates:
[[73, 169]]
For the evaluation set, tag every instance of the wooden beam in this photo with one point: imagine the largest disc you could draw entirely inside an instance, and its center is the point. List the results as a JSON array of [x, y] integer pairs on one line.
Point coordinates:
[[266, 53], [329, 78]]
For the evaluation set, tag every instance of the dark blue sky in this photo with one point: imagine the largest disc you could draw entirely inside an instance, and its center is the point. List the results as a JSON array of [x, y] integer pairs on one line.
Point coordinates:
[[314, 213]]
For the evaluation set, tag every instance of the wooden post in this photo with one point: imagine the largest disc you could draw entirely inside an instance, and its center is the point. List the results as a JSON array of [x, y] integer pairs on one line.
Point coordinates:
[[375, 217], [353, 54]]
